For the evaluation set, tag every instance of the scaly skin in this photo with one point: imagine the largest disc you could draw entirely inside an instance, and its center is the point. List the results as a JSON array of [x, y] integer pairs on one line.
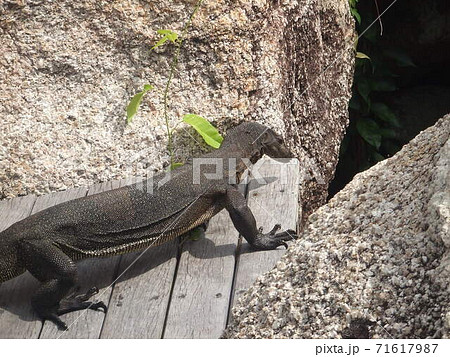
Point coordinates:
[[134, 217]]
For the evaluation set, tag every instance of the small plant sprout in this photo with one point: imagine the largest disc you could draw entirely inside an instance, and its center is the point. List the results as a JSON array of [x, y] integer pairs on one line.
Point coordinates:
[[135, 102], [168, 35], [208, 132]]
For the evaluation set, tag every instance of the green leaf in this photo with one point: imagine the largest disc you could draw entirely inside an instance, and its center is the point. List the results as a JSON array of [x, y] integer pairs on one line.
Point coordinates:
[[382, 85], [174, 165], [133, 107], [377, 156], [196, 234], [208, 132], [400, 57], [370, 132], [355, 44], [356, 15], [353, 3], [161, 42], [364, 89], [168, 35], [362, 55], [390, 147], [354, 103], [383, 112], [171, 35], [388, 133], [383, 71], [370, 33]]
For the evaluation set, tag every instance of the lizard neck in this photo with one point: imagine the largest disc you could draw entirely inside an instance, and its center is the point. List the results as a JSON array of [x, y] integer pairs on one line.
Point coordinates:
[[237, 156]]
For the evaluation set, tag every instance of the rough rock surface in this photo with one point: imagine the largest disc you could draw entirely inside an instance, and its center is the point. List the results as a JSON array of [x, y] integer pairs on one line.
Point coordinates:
[[69, 68], [373, 262]]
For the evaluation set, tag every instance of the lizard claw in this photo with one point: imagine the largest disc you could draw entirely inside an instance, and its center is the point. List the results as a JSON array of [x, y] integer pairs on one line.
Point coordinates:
[[82, 297], [59, 323], [99, 306], [55, 319], [275, 228], [271, 240], [80, 302], [92, 291], [290, 233]]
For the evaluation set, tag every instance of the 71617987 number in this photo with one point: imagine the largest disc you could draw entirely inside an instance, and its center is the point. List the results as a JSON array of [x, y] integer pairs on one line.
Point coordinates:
[[406, 347]]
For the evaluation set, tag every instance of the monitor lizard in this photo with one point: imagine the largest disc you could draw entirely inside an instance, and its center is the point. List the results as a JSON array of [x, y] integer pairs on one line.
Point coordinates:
[[134, 217]]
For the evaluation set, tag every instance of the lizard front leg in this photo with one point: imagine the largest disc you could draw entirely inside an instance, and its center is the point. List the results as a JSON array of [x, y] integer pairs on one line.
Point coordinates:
[[58, 275], [245, 223]]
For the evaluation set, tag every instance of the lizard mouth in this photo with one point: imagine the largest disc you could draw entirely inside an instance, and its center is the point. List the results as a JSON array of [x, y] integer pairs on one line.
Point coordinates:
[[278, 151]]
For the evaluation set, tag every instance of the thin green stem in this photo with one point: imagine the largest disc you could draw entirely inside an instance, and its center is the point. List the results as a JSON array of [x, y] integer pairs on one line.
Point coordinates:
[[173, 67]]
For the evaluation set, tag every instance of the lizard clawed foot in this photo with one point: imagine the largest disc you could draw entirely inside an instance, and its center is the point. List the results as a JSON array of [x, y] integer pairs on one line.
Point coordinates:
[[271, 240], [70, 303], [80, 302], [50, 314], [56, 320]]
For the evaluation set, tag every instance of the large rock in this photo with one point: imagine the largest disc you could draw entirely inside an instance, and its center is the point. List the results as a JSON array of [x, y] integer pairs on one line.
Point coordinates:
[[69, 68], [373, 262]]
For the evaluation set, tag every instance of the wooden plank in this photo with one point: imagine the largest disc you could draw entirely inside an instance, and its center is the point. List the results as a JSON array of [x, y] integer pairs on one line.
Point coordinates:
[[276, 202], [141, 295], [16, 209], [141, 284], [92, 272], [201, 294], [15, 294]]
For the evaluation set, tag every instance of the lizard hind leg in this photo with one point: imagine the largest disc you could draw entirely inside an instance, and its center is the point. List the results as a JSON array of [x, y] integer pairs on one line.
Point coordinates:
[[58, 276]]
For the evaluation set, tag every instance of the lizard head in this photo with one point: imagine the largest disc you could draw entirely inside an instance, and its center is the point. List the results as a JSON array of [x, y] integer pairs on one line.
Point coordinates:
[[259, 140], [273, 145]]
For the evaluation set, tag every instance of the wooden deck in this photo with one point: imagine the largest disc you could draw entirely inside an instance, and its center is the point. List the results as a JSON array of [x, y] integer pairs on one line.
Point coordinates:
[[170, 291]]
